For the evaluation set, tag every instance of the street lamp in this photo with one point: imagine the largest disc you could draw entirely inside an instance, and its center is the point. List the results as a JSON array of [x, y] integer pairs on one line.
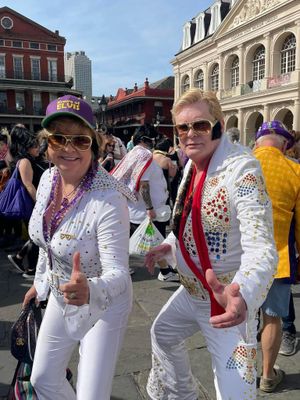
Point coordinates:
[[103, 106]]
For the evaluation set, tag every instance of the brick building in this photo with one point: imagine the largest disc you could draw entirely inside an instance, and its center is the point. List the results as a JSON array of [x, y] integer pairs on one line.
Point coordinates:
[[31, 69], [149, 104]]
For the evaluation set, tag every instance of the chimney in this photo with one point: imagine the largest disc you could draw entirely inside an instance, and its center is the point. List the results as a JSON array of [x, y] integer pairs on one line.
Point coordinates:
[[146, 84], [57, 32], [135, 87]]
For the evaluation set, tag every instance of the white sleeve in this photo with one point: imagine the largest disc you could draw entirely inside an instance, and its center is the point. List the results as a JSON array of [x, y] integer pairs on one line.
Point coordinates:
[[113, 243], [259, 254]]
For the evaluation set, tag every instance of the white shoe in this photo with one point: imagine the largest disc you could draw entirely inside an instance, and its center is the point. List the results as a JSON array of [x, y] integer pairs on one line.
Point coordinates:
[[169, 277], [131, 271]]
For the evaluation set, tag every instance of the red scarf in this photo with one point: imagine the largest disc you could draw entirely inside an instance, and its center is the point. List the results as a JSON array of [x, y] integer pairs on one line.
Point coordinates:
[[193, 204]]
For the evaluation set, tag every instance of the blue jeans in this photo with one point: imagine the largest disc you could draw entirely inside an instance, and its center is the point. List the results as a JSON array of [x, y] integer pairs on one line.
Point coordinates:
[[288, 321]]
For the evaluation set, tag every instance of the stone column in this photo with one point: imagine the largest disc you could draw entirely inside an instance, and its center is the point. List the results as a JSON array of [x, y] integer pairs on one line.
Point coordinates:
[[221, 74], [296, 124], [241, 126], [267, 55], [206, 77], [266, 112], [241, 55]]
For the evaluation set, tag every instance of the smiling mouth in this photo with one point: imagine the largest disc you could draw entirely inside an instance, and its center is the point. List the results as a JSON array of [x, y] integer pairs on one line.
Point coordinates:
[[70, 158]]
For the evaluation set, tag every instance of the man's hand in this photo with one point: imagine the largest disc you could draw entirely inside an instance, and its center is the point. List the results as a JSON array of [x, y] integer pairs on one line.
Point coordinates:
[[157, 253], [76, 291], [151, 214], [230, 298]]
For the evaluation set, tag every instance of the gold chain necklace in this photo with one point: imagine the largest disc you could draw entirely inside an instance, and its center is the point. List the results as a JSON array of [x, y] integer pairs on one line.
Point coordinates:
[[66, 197]]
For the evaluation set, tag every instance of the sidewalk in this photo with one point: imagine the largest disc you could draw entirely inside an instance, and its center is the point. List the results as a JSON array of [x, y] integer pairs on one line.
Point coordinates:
[[135, 358]]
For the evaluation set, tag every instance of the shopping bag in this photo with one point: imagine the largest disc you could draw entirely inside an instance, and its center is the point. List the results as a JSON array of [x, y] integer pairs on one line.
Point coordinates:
[[144, 238], [15, 201], [24, 332]]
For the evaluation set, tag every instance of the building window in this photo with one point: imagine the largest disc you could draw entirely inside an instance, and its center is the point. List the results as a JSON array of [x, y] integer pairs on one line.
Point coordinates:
[[52, 47], [2, 66], [18, 68], [185, 83], [20, 102], [1, 42], [215, 78], [34, 45], [35, 69], [52, 96], [235, 72], [37, 103], [52, 70], [199, 80], [7, 22], [288, 55], [258, 64], [3, 102], [17, 43]]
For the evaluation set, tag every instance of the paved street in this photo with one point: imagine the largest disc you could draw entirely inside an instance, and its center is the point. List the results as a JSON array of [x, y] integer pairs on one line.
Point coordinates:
[[134, 362]]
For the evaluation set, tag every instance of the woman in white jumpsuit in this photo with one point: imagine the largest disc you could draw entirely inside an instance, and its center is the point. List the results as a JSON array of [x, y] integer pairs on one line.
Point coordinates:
[[81, 223]]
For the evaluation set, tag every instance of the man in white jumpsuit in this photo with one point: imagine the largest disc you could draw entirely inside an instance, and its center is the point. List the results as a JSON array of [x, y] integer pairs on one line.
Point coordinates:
[[222, 243]]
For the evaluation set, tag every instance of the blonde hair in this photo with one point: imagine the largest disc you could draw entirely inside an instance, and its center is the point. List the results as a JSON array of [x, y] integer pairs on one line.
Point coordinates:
[[194, 95]]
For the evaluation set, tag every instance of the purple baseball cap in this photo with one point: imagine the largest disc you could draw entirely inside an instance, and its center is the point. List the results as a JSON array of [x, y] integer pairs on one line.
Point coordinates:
[[69, 106], [278, 128]]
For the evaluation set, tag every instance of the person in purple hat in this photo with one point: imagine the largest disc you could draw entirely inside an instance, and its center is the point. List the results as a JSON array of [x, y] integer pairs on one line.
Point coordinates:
[[81, 224], [282, 177]]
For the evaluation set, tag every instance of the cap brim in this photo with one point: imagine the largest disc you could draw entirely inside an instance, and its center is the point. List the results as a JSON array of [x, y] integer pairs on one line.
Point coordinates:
[[46, 121]]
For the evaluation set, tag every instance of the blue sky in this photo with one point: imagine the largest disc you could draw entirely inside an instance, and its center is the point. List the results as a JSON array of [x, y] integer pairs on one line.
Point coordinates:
[[127, 40]]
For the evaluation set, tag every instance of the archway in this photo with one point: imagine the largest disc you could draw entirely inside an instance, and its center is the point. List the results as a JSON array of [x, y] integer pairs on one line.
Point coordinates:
[[253, 123], [232, 122], [285, 116]]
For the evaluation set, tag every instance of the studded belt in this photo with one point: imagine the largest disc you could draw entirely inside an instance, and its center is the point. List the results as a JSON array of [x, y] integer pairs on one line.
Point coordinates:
[[195, 287]]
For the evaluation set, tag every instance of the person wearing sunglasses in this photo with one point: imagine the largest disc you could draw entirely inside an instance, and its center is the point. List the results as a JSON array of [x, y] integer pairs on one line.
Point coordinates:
[[107, 159], [81, 224], [222, 244]]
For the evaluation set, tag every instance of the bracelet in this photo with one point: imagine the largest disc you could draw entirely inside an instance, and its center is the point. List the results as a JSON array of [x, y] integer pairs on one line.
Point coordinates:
[[150, 208]]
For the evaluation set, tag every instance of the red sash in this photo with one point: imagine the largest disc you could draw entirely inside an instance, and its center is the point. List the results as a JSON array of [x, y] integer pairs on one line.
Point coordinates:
[[198, 233]]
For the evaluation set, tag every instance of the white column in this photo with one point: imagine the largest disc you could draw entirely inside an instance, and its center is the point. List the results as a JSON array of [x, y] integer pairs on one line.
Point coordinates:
[[296, 124], [221, 73], [266, 112], [267, 55], [206, 77], [241, 54], [241, 126]]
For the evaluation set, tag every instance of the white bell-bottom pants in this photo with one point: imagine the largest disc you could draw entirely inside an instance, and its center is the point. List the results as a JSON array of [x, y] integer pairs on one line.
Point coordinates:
[[98, 353], [233, 360]]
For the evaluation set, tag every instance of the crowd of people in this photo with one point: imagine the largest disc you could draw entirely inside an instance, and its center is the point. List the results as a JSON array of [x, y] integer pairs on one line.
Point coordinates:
[[235, 226]]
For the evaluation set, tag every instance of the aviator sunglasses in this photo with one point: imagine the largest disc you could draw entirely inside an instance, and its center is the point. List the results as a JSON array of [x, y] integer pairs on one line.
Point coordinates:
[[199, 127], [80, 142]]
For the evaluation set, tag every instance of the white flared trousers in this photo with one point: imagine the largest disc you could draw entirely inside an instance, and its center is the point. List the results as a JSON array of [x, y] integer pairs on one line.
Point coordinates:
[[98, 353], [233, 360]]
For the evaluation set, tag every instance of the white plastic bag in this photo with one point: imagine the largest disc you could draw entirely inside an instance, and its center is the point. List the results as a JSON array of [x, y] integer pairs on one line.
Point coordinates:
[[144, 238]]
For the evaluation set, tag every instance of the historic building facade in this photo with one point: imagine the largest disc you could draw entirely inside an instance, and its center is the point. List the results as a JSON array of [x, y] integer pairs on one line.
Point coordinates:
[[31, 69], [248, 51], [149, 104]]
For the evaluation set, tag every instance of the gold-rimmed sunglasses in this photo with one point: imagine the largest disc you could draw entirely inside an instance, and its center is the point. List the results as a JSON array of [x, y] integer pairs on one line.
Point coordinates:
[[199, 127], [80, 142]]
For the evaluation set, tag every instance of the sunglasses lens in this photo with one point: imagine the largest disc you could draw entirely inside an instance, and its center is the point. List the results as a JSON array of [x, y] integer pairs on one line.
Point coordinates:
[[182, 129], [202, 126], [56, 141], [82, 142]]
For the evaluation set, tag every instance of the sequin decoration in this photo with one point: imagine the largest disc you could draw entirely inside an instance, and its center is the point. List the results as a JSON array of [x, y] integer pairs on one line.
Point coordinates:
[[244, 359], [216, 218]]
